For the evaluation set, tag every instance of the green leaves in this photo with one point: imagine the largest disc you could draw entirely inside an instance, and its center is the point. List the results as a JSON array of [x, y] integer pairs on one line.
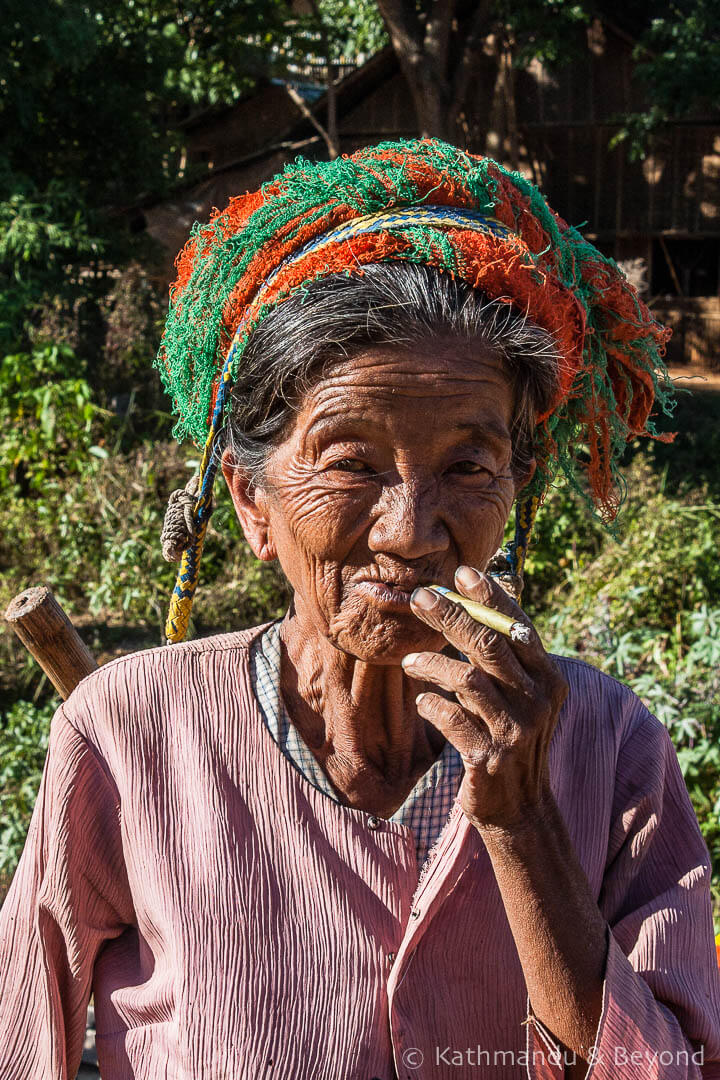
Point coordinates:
[[677, 70], [86, 107], [646, 610], [44, 240], [46, 417], [23, 745], [41, 230]]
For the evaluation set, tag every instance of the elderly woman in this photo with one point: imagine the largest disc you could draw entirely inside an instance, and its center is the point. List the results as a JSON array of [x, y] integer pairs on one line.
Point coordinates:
[[378, 838]]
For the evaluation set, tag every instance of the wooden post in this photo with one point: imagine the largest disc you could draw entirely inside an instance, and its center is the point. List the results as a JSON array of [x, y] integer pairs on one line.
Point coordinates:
[[47, 633], [671, 266]]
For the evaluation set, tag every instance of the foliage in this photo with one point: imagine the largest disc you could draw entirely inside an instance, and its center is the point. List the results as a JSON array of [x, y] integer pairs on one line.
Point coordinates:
[[134, 316], [690, 461], [67, 322], [678, 66], [226, 48], [546, 30], [24, 735], [81, 89], [42, 232], [44, 239], [137, 67], [46, 417], [565, 535], [665, 563], [355, 30], [220, 49], [646, 610], [94, 537]]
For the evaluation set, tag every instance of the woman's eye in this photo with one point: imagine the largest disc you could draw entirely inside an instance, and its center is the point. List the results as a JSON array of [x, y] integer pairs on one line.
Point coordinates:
[[351, 465], [468, 468]]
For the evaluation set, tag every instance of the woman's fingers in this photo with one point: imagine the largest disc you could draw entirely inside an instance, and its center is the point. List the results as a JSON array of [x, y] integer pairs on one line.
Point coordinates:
[[547, 681], [470, 737], [487, 590], [484, 647], [474, 689], [520, 666], [506, 699]]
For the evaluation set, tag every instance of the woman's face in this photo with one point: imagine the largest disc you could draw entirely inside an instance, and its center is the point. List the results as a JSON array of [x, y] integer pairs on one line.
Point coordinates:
[[397, 471]]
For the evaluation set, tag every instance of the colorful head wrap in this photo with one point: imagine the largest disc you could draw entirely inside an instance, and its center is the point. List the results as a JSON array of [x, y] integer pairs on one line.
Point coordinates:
[[426, 202]]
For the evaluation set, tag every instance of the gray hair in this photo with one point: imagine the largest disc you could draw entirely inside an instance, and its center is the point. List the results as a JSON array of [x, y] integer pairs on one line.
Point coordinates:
[[398, 304]]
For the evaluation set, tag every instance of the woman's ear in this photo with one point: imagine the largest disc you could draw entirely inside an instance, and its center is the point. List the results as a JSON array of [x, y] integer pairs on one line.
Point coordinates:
[[251, 508]]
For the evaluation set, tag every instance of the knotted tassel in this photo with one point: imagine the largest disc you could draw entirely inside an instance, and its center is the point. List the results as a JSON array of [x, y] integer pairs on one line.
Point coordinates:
[[500, 568], [182, 541], [178, 530], [507, 565]]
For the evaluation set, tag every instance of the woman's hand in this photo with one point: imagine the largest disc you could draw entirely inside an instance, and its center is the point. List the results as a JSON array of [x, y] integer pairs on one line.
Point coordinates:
[[507, 698]]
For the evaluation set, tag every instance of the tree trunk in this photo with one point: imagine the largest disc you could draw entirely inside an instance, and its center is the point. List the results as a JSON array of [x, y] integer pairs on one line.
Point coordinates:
[[438, 61], [430, 97], [332, 131], [422, 51]]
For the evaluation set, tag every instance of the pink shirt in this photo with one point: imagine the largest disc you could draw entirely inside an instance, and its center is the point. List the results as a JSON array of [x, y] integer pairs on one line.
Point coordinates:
[[235, 923]]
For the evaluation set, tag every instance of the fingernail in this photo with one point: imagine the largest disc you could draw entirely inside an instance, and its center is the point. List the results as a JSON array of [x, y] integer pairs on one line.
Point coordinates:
[[409, 660], [425, 599], [467, 576], [419, 698]]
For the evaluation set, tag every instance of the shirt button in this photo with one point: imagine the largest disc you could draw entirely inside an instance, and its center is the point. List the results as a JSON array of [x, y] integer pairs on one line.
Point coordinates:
[[373, 822], [391, 957], [415, 914]]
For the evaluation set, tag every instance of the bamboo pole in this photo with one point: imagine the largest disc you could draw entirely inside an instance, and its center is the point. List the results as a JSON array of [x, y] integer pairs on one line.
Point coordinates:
[[47, 633]]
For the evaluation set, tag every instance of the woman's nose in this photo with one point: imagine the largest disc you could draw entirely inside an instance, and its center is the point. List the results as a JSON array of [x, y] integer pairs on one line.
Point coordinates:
[[408, 522]]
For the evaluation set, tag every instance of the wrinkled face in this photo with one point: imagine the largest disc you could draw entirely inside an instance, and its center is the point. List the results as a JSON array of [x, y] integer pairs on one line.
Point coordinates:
[[397, 470]]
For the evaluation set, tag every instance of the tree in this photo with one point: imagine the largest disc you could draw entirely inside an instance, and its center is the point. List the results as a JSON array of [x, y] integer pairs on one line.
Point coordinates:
[[328, 33], [678, 65], [91, 96], [80, 92], [443, 46], [440, 43]]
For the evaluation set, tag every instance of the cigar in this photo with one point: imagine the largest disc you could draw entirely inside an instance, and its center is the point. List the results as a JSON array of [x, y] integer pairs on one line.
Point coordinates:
[[488, 616]]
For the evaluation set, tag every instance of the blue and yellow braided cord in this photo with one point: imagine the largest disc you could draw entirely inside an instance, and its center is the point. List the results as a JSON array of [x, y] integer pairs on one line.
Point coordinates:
[[525, 512]]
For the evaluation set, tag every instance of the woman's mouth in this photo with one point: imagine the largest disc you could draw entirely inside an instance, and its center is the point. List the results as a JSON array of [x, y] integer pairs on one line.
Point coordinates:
[[388, 593]]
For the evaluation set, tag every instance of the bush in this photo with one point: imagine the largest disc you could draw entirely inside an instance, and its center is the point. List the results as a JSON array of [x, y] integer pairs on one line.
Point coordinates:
[[46, 417], [647, 611], [23, 745], [94, 538]]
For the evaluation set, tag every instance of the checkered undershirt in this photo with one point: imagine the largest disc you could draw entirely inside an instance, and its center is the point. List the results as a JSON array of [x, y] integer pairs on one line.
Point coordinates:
[[426, 808]]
